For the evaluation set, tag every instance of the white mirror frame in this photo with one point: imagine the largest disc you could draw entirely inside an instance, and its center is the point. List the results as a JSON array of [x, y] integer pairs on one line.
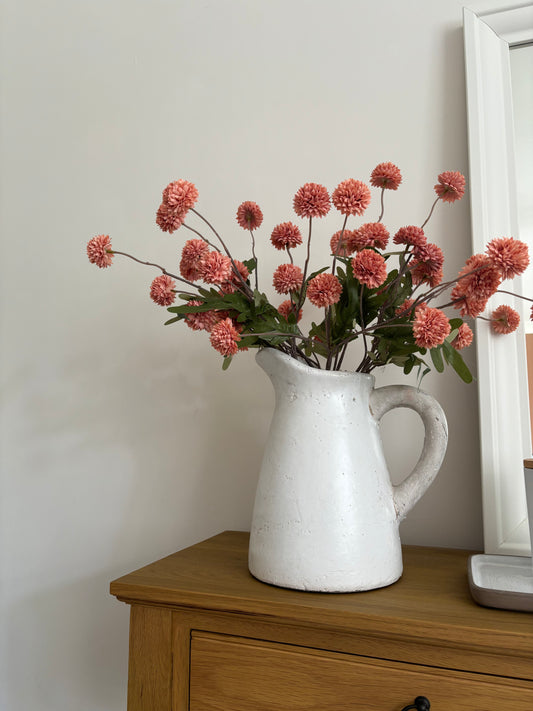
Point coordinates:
[[502, 374]]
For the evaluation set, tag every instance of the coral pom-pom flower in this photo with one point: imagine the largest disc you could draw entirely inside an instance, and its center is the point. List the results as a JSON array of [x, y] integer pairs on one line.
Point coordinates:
[[180, 196], [312, 200], [341, 244], [410, 235], [162, 290], [324, 290], [386, 175], [99, 251], [215, 268], [249, 215], [430, 327], [504, 319], [286, 236], [167, 219], [287, 307], [374, 234], [192, 255], [351, 197], [464, 337], [287, 278], [510, 256], [224, 337], [369, 268], [451, 186]]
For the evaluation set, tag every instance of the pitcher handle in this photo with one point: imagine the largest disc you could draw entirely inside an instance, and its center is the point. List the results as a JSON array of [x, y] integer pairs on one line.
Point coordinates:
[[417, 482]]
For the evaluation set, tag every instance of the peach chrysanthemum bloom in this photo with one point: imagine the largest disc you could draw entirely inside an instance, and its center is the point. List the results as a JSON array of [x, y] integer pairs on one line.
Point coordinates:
[[286, 236], [231, 285], [511, 256], [180, 196], [287, 307], [405, 309], [344, 247], [167, 219], [324, 290], [464, 337], [287, 278], [504, 319], [451, 186], [386, 175], [249, 215], [430, 327], [311, 200], [410, 235], [351, 197], [162, 290], [99, 251], [369, 268], [192, 255], [215, 268], [477, 281], [224, 337], [201, 320], [426, 267], [373, 234]]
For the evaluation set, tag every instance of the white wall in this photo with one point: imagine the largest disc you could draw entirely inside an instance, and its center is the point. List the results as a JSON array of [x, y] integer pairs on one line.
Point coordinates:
[[122, 440]]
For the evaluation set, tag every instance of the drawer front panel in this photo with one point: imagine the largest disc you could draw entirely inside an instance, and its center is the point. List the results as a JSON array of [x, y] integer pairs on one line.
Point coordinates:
[[237, 674]]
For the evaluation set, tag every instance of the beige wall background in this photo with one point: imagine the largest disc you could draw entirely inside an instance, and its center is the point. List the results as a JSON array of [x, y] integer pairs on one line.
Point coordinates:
[[123, 440]]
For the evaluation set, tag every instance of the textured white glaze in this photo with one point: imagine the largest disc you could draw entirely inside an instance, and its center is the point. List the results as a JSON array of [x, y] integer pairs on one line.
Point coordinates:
[[326, 515]]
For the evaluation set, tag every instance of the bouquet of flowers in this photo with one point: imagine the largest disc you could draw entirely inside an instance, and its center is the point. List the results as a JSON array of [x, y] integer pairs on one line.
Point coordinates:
[[389, 292]]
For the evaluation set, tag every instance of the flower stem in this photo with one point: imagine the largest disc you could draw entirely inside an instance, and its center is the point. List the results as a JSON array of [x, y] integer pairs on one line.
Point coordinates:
[[157, 266], [430, 213]]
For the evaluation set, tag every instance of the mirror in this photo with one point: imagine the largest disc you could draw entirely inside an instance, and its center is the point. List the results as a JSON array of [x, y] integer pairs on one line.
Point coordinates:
[[505, 433]]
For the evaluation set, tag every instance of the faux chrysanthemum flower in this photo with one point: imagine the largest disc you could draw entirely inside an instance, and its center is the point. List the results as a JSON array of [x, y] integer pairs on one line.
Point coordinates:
[[369, 268], [410, 235], [201, 320], [287, 307], [373, 234], [180, 196], [427, 265], [234, 282], [287, 278], [510, 255], [405, 308], [351, 197], [311, 200], [324, 290], [386, 175], [341, 244], [249, 215], [192, 254], [215, 268], [430, 327], [286, 236], [224, 337], [162, 290], [477, 281], [99, 251], [451, 186], [168, 219], [504, 319], [464, 337]]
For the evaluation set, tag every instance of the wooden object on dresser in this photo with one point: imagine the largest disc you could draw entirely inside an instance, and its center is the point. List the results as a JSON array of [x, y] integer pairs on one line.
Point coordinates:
[[206, 636]]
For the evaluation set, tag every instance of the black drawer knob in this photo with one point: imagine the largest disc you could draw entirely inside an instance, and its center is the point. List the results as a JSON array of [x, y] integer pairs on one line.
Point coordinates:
[[420, 704]]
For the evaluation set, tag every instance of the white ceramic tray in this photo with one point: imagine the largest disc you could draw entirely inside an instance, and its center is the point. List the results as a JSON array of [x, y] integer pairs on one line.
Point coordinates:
[[503, 581]]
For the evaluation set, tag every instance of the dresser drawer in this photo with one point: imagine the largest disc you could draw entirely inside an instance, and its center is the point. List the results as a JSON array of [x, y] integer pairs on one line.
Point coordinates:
[[237, 674]]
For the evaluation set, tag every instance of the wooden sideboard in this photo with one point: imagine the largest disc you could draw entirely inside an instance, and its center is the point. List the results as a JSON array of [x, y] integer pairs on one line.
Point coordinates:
[[206, 636]]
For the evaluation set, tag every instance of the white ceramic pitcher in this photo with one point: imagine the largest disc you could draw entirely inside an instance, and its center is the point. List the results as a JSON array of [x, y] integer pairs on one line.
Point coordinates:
[[326, 514]]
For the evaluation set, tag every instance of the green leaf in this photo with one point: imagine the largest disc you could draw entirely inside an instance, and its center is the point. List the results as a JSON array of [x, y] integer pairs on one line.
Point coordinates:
[[436, 357], [173, 320], [455, 359], [226, 362]]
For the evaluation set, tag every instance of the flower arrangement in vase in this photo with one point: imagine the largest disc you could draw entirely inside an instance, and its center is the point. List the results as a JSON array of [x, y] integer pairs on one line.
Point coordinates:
[[326, 514], [386, 291]]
